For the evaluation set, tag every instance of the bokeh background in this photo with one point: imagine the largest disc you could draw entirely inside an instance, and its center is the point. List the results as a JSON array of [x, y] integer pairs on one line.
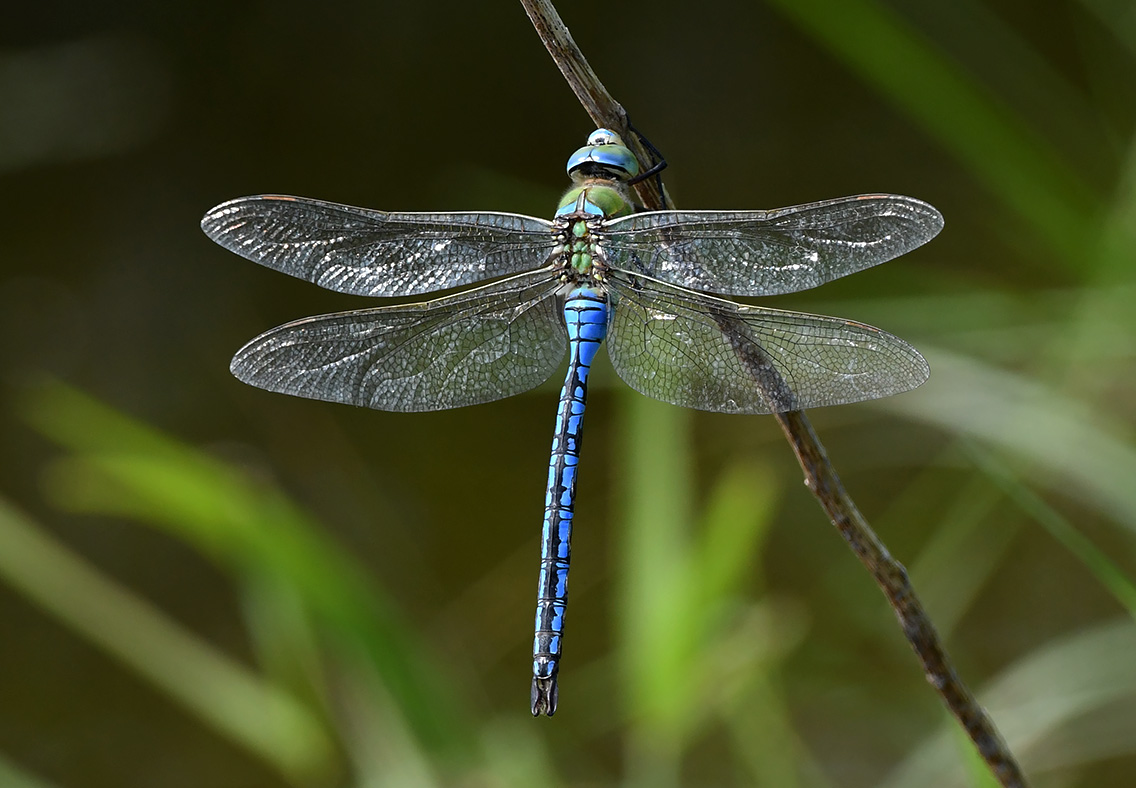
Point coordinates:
[[205, 584]]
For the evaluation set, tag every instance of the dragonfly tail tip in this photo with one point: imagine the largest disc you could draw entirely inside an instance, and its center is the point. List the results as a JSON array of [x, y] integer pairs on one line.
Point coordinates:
[[544, 696]]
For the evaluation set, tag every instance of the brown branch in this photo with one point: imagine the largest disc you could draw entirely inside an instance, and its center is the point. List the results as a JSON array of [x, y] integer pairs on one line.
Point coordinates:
[[820, 476], [891, 577], [602, 108]]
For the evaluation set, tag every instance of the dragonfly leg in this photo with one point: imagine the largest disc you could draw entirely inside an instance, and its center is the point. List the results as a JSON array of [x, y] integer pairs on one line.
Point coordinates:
[[656, 168]]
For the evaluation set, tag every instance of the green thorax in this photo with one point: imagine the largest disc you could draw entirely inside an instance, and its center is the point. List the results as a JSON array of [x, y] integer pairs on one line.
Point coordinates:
[[601, 173], [581, 246], [596, 198]]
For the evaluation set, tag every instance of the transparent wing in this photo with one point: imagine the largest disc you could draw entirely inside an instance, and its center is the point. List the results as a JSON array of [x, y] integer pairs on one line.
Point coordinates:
[[366, 252], [463, 349], [755, 253], [703, 352]]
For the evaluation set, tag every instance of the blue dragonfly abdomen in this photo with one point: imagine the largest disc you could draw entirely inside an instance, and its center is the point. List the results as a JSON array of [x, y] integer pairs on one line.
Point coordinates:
[[647, 281], [585, 318]]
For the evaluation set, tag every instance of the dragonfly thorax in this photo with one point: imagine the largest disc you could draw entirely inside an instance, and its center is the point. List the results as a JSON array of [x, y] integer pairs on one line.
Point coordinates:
[[578, 253], [596, 198]]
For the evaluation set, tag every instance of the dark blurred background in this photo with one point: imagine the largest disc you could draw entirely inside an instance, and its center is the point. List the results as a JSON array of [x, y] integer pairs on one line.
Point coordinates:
[[205, 584]]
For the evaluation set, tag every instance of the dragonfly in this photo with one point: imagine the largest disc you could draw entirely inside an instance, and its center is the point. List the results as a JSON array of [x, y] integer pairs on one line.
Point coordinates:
[[650, 283]]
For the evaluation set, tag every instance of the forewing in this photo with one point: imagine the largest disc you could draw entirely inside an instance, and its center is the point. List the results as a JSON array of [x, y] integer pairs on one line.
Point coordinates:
[[756, 253], [372, 253], [464, 349], [702, 352]]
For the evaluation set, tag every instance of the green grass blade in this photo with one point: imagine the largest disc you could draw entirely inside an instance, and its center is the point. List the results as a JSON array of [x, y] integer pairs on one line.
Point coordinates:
[[1000, 149], [1106, 571], [12, 776], [261, 718], [124, 468], [682, 608], [1059, 437]]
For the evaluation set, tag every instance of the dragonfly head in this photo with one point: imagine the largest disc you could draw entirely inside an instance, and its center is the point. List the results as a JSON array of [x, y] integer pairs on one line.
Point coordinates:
[[605, 156]]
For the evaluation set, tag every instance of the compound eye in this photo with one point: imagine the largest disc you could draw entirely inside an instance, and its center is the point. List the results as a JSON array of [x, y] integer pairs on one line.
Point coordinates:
[[604, 156], [604, 137]]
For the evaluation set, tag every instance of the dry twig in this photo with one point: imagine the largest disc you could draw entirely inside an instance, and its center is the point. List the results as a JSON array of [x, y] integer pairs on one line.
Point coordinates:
[[820, 476]]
